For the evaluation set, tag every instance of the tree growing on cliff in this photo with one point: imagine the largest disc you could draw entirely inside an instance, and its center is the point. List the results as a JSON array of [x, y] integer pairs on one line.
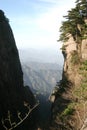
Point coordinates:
[[74, 21]]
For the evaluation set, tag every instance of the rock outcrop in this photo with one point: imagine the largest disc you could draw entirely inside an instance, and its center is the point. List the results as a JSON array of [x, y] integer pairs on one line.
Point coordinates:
[[13, 95], [69, 110], [84, 49]]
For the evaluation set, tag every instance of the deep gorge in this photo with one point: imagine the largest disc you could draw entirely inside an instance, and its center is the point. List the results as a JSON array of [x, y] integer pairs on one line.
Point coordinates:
[[25, 91], [17, 100]]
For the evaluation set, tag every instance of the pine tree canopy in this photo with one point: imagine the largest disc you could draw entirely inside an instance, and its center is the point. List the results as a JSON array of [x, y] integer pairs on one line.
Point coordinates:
[[74, 18]]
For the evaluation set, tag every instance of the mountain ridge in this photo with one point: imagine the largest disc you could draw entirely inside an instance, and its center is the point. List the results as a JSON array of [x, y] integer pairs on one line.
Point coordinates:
[[40, 55]]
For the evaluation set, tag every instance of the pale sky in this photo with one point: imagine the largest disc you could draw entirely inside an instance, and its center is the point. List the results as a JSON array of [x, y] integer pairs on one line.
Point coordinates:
[[35, 23]]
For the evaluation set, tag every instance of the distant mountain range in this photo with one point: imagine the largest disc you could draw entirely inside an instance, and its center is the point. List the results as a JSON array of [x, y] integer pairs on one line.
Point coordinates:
[[41, 77], [41, 73], [42, 56], [41, 69]]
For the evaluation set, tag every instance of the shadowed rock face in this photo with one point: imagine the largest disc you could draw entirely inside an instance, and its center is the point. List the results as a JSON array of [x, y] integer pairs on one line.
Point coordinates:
[[10, 69], [12, 91]]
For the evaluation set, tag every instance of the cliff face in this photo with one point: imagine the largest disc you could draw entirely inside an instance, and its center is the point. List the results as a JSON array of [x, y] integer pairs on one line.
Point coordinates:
[[13, 95], [69, 110]]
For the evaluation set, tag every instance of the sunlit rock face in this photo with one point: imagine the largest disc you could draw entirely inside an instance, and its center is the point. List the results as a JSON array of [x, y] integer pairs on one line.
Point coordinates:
[[73, 80], [84, 49], [70, 44], [13, 94]]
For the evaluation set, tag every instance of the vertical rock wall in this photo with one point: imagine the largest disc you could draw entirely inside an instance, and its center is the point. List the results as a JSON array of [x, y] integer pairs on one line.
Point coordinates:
[[13, 94], [69, 109]]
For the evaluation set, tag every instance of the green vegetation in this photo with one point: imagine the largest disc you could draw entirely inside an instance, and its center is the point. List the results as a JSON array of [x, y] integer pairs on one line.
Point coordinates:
[[81, 91], [75, 58], [75, 22], [84, 80], [69, 110], [83, 66], [75, 25]]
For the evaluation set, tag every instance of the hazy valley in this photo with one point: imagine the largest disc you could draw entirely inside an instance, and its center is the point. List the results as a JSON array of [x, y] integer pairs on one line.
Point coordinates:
[[41, 73], [41, 76]]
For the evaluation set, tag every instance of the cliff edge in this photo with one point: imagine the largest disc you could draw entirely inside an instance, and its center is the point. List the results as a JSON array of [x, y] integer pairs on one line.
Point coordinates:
[[69, 110], [15, 99]]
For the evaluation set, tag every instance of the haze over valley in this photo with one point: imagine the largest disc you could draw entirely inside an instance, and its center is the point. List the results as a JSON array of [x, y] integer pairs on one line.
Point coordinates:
[[41, 69], [41, 72]]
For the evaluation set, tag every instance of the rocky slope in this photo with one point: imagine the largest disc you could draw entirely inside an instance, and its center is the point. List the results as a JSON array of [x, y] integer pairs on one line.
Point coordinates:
[[69, 110], [14, 97]]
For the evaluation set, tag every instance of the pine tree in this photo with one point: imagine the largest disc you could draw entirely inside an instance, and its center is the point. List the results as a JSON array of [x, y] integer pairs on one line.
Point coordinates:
[[74, 18]]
